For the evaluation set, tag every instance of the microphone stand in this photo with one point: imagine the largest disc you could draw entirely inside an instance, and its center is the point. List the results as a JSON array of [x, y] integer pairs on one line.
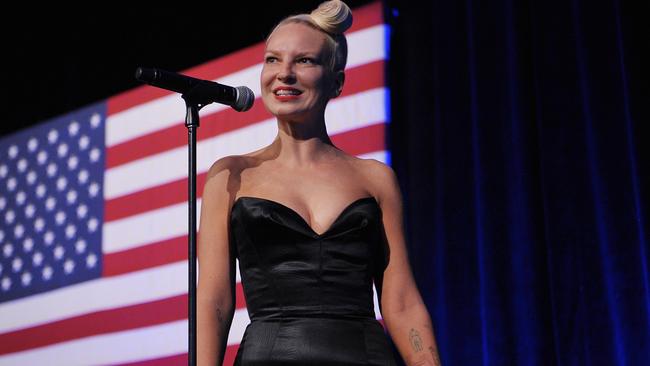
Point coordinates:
[[200, 94], [193, 103]]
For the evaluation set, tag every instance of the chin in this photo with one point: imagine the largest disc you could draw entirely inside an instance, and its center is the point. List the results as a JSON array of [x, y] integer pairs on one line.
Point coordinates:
[[282, 111], [290, 117], [297, 113]]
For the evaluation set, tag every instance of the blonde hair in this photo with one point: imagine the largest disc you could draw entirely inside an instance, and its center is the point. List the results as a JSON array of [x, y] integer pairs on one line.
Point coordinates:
[[333, 18]]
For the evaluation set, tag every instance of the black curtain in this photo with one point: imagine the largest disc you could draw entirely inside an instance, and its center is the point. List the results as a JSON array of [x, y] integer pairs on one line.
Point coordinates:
[[516, 135]]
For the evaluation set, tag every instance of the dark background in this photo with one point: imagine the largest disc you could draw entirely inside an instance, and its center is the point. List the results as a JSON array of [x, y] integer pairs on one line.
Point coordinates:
[[55, 63]]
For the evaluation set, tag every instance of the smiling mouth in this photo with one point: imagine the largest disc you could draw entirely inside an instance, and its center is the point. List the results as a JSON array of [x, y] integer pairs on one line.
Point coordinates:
[[286, 92]]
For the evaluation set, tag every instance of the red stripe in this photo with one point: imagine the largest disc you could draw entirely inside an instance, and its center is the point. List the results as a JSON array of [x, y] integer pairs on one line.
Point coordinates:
[[150, 199], [365, 16], [231, 353], [240, 299], [364, 77], [362, 140], [359, 141], [100, 322], [146, 256]]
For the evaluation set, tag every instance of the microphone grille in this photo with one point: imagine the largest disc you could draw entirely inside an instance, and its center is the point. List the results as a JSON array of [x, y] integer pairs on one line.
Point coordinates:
[[245, 99]]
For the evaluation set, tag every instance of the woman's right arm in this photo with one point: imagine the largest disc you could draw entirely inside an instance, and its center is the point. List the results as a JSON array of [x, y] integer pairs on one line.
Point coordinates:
[[216, 286]]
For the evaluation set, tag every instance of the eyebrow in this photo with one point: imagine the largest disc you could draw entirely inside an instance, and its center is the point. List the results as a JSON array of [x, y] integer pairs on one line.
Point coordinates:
[[300, 54]]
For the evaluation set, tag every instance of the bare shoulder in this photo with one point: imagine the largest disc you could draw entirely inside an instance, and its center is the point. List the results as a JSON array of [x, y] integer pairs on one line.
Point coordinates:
[[224, 176], [224, 165], [235, 164], [224, 168], [382, 179], [377, 169]]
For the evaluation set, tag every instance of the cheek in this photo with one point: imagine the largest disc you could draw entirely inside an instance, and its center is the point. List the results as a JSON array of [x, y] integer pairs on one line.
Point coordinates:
[[316, 80], [266, 79], [322, 84], [265, 76]]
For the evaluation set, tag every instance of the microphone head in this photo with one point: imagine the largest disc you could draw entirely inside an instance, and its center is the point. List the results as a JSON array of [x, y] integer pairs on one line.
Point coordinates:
[[245, 99]]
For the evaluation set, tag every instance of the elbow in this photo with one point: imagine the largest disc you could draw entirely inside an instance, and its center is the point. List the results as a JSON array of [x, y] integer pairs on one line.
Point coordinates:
[[405, 307], [226, 308], [402, 303], [223, 305]]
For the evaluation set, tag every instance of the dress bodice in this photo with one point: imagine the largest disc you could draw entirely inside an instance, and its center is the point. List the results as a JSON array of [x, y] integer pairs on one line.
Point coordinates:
[[289, 270]]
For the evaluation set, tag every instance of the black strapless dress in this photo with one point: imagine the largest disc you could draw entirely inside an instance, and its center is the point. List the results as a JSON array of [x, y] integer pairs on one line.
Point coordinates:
[[309, 296]]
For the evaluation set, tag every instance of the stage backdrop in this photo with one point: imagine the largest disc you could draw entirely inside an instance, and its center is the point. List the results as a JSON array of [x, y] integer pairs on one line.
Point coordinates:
[[93, 209], [520, 152]]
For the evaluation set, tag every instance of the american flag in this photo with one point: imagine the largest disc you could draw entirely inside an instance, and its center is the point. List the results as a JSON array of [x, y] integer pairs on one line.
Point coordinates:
[[93, 228]]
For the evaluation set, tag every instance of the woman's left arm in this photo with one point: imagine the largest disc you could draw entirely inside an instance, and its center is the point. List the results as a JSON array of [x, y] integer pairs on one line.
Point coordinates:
[[402, 308]]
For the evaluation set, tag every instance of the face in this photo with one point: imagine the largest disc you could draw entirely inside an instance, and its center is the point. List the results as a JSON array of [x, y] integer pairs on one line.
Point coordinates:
[[296, 81]]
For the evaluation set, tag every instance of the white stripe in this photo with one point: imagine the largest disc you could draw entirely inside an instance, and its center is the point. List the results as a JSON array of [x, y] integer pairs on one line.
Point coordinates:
[[143, 119], [377, 155], [358, 110], [113, 348], [375, 300], [239, 322], [343, 114], [146, 228], [364, 46], [96, 295]]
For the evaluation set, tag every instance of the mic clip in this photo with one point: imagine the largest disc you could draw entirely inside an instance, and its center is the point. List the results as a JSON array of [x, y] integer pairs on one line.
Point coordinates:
[[198, 96]]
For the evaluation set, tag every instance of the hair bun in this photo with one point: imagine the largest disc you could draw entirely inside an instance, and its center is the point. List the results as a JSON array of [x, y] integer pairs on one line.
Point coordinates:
[[333, 17]]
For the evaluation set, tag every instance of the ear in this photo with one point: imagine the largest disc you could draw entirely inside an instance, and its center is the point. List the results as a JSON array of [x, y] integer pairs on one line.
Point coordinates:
[[339, 80]]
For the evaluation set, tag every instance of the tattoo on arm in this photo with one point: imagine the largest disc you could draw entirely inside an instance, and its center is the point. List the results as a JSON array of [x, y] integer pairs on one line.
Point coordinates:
[[416, 341]]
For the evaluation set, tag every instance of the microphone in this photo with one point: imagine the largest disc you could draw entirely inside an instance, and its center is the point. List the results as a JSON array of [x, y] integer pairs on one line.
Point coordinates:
[[204, 92]]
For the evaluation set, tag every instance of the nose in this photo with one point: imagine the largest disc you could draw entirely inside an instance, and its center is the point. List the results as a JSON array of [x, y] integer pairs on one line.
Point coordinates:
[[286, 74]]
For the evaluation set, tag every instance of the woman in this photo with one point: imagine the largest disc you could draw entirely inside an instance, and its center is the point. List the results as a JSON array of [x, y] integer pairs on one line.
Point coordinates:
[[312, 227]]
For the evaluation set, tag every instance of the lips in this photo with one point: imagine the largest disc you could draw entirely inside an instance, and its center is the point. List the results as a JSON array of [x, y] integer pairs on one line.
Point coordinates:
[[285, 91]]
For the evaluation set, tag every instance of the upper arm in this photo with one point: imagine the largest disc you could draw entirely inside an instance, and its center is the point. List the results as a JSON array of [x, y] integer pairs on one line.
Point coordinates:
[[215, 253], [398, 288]]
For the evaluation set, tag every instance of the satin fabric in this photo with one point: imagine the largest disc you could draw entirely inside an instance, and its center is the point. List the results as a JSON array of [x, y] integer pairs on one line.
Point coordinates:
[[309, 296]]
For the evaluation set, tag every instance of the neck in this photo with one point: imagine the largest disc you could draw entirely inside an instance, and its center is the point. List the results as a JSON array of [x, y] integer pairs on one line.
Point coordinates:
[[301, 143]]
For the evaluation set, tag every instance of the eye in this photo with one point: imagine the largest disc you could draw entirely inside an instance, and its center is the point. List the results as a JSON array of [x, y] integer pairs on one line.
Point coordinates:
[[270, 59], [306, 60]]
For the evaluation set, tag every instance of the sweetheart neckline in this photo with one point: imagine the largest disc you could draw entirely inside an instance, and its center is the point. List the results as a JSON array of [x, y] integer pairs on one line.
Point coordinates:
[[302, 219]]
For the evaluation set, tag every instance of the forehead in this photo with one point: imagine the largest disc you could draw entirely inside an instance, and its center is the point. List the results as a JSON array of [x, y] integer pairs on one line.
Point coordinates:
[[296, 37]]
